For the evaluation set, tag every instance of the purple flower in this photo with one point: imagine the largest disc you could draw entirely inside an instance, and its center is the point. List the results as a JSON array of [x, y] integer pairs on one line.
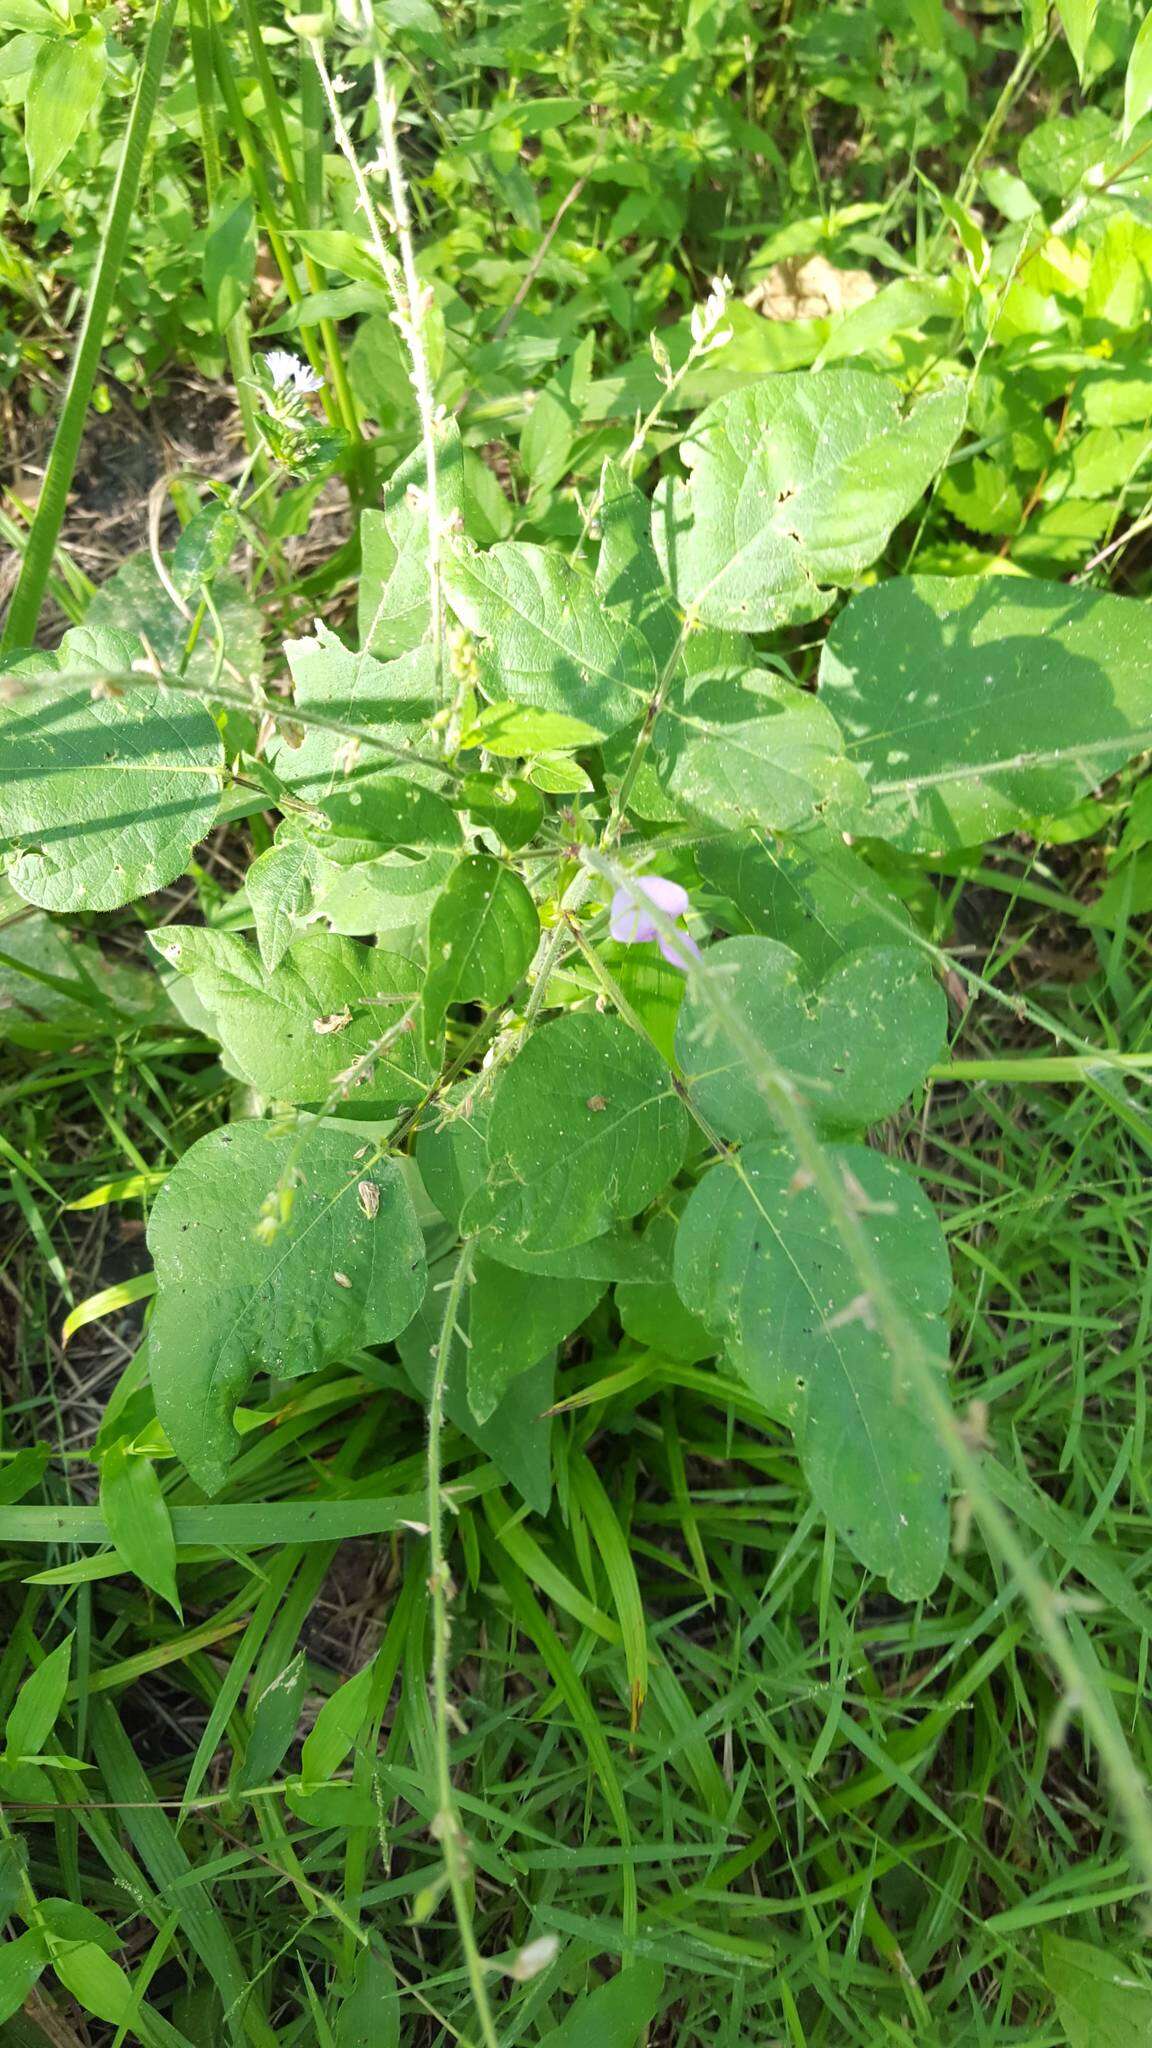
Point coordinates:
[[631, 923]]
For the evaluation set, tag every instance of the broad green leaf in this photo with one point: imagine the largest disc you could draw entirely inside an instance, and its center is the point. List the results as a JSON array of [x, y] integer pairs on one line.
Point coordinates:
[[275, 1717], [548, 641], [327, 1006], [555, 420], [1138, 78], [796, 484], [753, 751], [854, 1045], [758, 1260], [394, 605], [1077, 19], [96, 1982], [134, 600], [281, 890], [139, 1523], [511, 1321], [33, 1713], [70, 1921], [616, 2014], [973, 706], [1098, 1998], [64, 88], [518, 1435], [453, 1159], [369, 2017], [811, 893], [506, 805], [384, 848], [229, 257], [481, 938], [103, 795], [22, 1962], [345, 1269], [510, 732], [585, 1129], [392, 699], [336, 1728]]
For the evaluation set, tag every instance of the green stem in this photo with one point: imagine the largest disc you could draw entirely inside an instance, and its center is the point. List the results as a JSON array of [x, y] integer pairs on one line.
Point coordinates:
[[449, 1830], [1043, 1067], [24, 612]]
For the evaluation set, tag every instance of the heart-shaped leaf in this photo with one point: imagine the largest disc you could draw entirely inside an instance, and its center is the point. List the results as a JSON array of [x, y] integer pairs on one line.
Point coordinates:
[[855, 1045], [752, 750]]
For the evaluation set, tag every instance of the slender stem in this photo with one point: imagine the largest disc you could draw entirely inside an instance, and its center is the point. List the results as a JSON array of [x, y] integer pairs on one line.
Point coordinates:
[[412, 301], [24, 612], [449, 1826]]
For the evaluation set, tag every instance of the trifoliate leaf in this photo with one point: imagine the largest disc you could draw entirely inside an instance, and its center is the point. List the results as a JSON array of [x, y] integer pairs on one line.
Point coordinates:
[[343, 1269], [796, 484], [548, 640], [759, 1261], [585, 1129], [103, 794], [854, 1046], [292, 1032], [972, 706]]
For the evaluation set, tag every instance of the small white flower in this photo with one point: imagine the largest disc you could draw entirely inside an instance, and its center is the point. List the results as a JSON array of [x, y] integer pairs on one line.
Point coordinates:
[[286, 369]]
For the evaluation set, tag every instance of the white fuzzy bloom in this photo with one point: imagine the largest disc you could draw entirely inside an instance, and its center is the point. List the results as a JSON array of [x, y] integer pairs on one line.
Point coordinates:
[[286, 369]]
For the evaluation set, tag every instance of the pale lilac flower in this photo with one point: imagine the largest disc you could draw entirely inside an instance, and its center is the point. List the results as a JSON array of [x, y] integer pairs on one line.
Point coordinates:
[[286, 369], [631, 923]]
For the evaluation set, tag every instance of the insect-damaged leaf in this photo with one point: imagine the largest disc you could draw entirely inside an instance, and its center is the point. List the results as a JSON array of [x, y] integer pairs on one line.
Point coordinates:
[[345, 1269], [481, 937], [795, 485], [974, 705], [103, 792], [585, 1129], [329, 1005], [759, 1261], [854, 1044]]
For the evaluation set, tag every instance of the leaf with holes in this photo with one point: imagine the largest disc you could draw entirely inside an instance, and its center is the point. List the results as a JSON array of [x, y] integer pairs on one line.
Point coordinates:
[[344, 1268], [795, 486], [329, 1005], [972, 706], [585, 1129], [854, 1045], [103, 794], [758, 1260], [481, 938]]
